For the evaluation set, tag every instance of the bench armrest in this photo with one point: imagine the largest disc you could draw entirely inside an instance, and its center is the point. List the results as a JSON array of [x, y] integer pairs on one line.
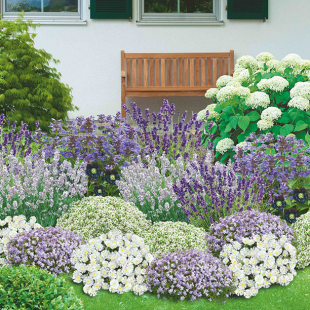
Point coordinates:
[[123, 74]]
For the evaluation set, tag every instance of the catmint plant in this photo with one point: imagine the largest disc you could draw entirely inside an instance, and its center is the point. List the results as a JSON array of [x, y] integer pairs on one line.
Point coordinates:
[[36, 188]]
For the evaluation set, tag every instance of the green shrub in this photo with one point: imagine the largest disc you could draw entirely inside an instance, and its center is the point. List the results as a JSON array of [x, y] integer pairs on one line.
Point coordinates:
[[30, 89], [32, 288], [96, 215]]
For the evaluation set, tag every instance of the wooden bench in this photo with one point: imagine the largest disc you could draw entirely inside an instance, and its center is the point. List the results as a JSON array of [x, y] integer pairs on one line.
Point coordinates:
[[172, 74]]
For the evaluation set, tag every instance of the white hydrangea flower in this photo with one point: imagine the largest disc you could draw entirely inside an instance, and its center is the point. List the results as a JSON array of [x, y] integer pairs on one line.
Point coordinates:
[[292, 61], [275, 65], [247, 62], [305, 65], [300, 103], [264, 124], [241, 145], [211, 93], [242, 91], [234, 83], [243, 76], [264, 57], [226, 93], [224, 145], [301, 89], [277, 83], [258, 99], [223, 80], [263, 84], [271, 114], [201, 116]]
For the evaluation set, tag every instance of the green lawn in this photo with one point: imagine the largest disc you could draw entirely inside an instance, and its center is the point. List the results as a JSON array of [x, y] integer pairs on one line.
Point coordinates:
[[295, 296]]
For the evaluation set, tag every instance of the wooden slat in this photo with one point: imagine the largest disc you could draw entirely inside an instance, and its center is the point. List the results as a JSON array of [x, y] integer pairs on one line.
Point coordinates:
[[178, 93], [180, 72], [176, 55], [209, 71], [163, 72], [186, 71], [157, 71], [174, 71], [166, 88], [168, 72], [146, 73], [197, 72], [134, 72], [192, 72], [214, 64], [128, 64], [226, 66], [151, 72], [220, 66], [232, 62], [203, 72], [140, 71]]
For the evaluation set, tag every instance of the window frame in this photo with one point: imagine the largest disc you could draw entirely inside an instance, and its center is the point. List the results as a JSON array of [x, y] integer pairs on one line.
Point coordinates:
[[70, 18], [179, 18]]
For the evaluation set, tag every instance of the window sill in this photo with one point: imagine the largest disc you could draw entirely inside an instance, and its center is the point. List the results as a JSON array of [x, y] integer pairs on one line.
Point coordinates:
[[179, 23], [50, 21]]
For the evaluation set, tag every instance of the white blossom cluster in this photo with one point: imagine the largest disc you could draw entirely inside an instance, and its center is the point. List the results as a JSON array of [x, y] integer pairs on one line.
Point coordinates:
[[243, 76], [242, 144], [263, 84], [271, 114], [276, 83], [247, 62], [11, 227], [211, 92], [223, 80], [275, 65], [259, 262], [265, 57], [301, 89], [113, 262], [264, 124], [224, 145], [229, 92], [300, 103], [258, 99], [201, 116], [293, 61]]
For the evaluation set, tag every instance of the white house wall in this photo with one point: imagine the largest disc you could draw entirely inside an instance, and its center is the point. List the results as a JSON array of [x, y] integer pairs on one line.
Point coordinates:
[[90, 54]]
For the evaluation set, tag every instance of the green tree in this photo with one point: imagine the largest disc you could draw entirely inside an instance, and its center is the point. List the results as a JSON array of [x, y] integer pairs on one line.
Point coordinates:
[[30, 89]]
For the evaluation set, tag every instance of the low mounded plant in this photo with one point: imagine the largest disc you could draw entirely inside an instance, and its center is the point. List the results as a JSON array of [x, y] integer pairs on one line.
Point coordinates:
[[167, 237], [48, 248], [114, 262], [94, 216], [33, 288], [242, 225], [190, 275]]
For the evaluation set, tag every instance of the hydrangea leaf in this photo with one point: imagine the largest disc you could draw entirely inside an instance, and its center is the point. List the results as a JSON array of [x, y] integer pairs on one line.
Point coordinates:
[[244, 122], [254, 116], [286, 129], [285, 97], [228, 128], [234, 121], [301, 125], [285, 118]]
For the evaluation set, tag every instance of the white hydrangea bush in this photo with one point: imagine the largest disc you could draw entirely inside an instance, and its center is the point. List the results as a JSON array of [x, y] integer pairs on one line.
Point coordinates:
[[11, 227], [259, 262], [114, 261]]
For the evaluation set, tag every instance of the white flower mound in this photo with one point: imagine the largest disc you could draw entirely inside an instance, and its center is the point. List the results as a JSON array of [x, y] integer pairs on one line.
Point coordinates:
[[202, 116], [300, 103], [264, 124], [223, 80], [275, 65], [260, 262], [243, 76], [271, 114], [257, 99], [211, 93], [224, 145], [11, 227], [226, 93], [113, 262], [292, 61], [265, 57], [278, 83], [301, 89], [247, 62], [263, 84]]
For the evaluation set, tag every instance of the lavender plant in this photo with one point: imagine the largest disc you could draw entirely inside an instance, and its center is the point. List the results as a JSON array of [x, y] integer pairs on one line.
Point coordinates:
[[216, 193], [36, 188], [49, 248], [190, 275], [243, 224]]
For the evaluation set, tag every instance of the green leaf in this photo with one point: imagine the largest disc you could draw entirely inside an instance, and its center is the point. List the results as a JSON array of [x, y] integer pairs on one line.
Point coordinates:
[[287, 70], [307, 137], [301, 125], [286, 129], [213, 129], [267, 75], [228, 110], [234, 122], [244, 122], [285, 118], [254, 116], [222, 160], [228, 128], [275, 130], [285, 97], [241, 137], [251, 128], [218, 108]]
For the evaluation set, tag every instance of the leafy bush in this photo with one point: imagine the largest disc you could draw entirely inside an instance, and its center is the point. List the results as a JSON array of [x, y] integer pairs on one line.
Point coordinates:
[[264, 95], [260, 261], [48, 248], [30, 89], [94, 216], [113, 262], [24, 288], [189, 274], [302, 240], [242, 225], [36, 188], [167, 237]]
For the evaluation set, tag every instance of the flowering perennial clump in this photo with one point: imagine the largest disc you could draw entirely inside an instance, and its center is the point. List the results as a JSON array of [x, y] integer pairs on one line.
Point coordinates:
[[48, 248], [190, 275], [167, 237], [113, 262], [10, 228], [260, 261], [242, 225], [94, 216]]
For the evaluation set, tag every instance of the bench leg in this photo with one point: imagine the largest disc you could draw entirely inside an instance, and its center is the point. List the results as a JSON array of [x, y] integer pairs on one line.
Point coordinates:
[[123, 99]]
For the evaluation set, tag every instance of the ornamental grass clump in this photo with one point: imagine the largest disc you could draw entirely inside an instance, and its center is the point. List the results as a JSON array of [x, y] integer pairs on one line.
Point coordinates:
[[259, 262], [48, 248], [241, 225], [34, 288], [191, 274], [36, 188], [94, 216], [167, 237], [10, 228], [114, 262], [263, 96]]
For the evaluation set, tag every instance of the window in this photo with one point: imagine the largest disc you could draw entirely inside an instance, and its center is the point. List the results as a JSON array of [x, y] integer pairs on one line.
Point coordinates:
[[183, 12], [45, 11]]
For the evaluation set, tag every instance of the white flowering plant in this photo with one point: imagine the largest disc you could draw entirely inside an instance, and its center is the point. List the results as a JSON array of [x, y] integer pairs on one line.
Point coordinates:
[[114, 261], [260, 261], [263, 95], [11, 227]]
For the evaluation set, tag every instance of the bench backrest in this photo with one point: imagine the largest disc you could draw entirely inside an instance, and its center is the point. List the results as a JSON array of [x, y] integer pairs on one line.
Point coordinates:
[[164, 70]]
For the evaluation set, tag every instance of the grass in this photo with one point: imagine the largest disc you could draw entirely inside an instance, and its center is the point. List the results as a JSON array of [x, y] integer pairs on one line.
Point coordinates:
[[295, 296]]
